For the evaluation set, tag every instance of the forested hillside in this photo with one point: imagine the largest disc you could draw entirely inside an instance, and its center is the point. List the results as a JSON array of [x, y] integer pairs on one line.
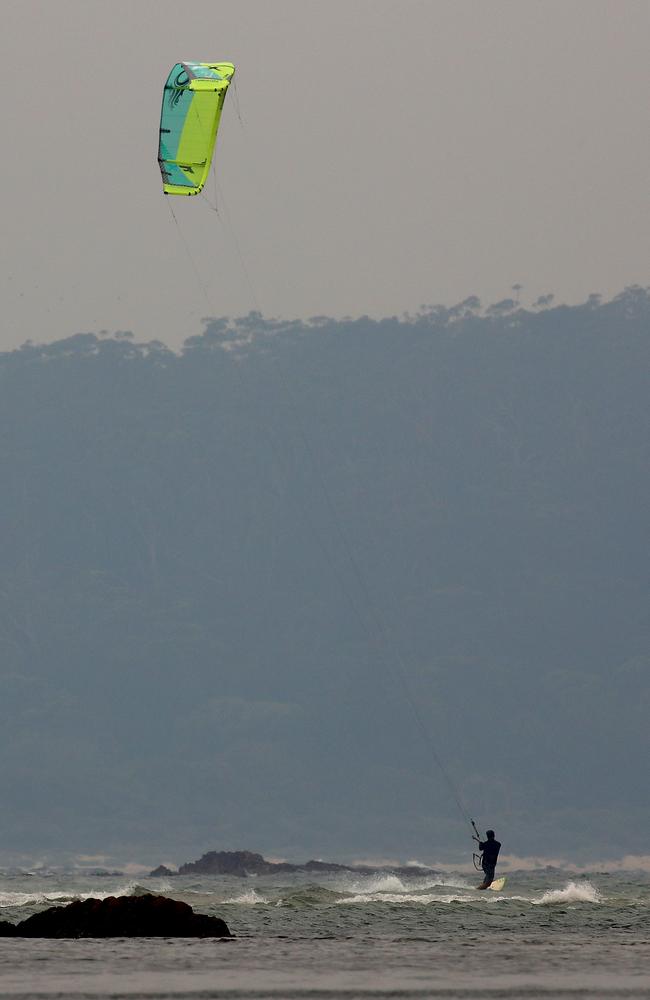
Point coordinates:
[[212, 562]]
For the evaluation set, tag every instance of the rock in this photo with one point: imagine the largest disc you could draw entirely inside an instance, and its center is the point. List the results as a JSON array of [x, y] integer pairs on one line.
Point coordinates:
[[229, 863], [328, 866], [244, 863], [162, 871], [122, 916]]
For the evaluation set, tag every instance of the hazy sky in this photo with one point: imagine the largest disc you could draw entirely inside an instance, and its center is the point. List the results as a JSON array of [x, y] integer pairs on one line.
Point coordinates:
[[391, 154]]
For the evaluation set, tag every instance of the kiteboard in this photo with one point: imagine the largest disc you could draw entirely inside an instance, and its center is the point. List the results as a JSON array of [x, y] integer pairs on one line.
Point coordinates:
[[498, 884]]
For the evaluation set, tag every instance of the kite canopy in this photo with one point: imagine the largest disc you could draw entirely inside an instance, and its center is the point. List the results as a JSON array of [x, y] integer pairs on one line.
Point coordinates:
[[191, 108]]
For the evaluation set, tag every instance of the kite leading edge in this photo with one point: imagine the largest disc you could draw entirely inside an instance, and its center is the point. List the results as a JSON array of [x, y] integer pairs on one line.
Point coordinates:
[[189, 119]]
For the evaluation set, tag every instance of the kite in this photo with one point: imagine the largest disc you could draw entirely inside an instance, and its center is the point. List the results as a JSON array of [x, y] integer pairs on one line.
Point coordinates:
[[189, 119]]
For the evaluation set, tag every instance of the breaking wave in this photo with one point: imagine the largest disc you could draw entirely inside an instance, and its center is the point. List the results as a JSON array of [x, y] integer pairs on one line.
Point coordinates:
[[404, 898], [371, 884], [584, 892], [371, 890], [309, 895], [249, 898], [381, 884], [53, 898]]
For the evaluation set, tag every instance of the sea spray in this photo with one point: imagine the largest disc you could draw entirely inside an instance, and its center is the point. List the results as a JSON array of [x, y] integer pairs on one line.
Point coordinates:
[[573, 892], [249, 898], [14, 899]]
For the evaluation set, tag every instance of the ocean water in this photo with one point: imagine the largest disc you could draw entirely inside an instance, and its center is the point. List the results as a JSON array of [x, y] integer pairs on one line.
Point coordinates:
[[548, 934]]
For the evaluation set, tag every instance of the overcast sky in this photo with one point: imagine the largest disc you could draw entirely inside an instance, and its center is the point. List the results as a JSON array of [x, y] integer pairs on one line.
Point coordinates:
[[389, 155]]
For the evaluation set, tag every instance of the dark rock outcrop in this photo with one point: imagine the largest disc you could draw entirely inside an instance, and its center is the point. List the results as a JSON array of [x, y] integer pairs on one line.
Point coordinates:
[[120, 916], [244, 863], [231, 863], [162, 871]]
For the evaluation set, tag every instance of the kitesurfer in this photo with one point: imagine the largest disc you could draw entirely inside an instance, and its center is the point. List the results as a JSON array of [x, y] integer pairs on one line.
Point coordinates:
[[489, 849]]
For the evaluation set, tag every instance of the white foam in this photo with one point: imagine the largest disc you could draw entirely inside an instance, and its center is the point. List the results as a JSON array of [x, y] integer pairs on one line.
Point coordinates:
[[369, 884], [573, 892], [36, 898], [386, 897], [164, 886], [379, 883], [25, 898], [248, 898]]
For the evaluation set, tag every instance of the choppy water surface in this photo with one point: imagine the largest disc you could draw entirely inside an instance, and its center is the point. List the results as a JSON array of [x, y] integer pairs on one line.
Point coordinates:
[[546, 935]]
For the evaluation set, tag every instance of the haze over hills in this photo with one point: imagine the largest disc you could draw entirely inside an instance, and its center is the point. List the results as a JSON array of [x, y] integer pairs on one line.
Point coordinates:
[[189, 658]]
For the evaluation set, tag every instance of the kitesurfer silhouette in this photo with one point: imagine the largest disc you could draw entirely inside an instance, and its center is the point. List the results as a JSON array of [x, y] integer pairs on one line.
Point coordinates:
[[489, 849]]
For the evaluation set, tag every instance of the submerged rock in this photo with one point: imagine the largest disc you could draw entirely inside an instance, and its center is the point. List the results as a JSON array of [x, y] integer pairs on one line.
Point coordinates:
[[120, 916]]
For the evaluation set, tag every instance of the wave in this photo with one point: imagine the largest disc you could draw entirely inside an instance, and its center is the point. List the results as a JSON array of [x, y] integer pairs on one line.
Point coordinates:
[[379, 884], [583, 892], [448, 882], [53, 898], [421, 899], [28, 898], [392, 888], [387, 889], [573, 892], [249, 898], [371, 884], [161, 885], [310, 895]]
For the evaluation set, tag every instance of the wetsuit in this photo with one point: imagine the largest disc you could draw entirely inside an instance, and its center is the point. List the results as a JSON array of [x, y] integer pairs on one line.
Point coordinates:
[[490, 851]]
